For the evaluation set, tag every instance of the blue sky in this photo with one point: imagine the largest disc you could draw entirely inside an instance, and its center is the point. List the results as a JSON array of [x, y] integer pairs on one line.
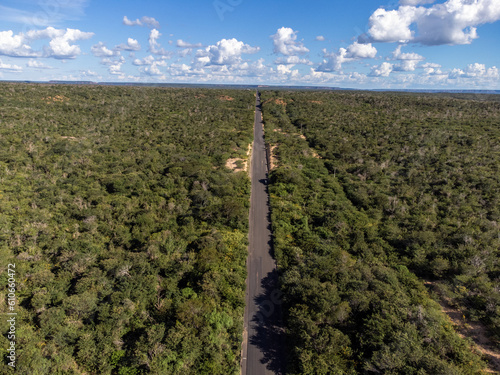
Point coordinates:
[[450, 44]]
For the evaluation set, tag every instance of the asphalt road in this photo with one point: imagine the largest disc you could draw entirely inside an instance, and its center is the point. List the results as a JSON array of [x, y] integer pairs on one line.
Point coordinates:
[[263, 343]]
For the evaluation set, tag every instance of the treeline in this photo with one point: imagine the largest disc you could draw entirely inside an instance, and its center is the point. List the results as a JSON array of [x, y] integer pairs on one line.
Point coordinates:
[[373, 194], [128, 232]]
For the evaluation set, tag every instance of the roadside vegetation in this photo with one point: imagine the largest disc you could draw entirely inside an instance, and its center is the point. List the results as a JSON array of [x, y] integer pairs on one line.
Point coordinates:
[[128, 231], [384, 205]]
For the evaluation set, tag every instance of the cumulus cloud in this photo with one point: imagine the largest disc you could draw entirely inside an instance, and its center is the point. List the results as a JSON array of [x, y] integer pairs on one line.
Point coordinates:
[[224, 52], [144, 21], [154, 45], [10, 68], [15, 45], [286, 70], [119, 60], [150, 65], [292, 60], [477, 71], [452, 22], [382, 70], [333, 60], [361, 51], [409, 61], [32, 63], [131, 45], [184, 70], [285, 43], [100, 50], [320, 38], [88, 73], [154, 68], [115, 69], [61, 45], [398, 55], [145, 61], [406, 66], [394, 25]]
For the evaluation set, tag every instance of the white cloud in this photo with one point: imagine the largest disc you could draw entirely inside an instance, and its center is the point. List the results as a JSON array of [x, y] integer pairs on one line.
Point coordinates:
[[183, 44], [10, 68], [224, 52], [431, 69], [32, 63], [15, 45], [61, 41], [409, 61], [61, 47], [150, 22], [154, 35], [144, 21], [398, 55], [292, 60], [361, 51], [184, 70], [115, 69], [128, 22], [476, 70], [100, 50], [394, 25], [452, 22], [145, 61], [132, 45], [320, 38], [88, 73], [382, 70], [154, 46], [285, 43], [151, 65], [406, 66], [119, 60], [286, 70], [474, 75], [154, 68], [333, 61]]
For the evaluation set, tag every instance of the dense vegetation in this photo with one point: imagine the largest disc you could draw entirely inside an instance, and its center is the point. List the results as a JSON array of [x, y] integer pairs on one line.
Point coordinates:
[[128, 231], [385, 191]]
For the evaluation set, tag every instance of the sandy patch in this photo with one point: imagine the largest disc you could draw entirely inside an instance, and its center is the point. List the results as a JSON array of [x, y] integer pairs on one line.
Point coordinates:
[[56, 99], [244, 163]]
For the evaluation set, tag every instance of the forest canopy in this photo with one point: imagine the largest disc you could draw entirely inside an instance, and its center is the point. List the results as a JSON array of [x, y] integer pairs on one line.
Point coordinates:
[[381, 201], [128, 231]]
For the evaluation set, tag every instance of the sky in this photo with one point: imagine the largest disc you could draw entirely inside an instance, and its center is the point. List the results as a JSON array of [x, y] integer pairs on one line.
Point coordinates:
[[364, 44]]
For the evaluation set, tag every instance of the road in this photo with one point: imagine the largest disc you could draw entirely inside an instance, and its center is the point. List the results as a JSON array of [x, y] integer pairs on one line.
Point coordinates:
[[262, 350]]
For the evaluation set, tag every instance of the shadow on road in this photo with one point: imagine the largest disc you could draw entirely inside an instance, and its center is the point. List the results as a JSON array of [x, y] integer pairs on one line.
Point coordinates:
[[269, 335]]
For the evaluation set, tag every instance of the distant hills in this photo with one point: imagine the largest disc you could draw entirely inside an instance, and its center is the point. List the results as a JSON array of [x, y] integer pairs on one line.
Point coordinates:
[[264, 87]]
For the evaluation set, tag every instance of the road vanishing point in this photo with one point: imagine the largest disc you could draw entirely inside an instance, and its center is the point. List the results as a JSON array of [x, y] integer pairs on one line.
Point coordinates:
[[263, 342]]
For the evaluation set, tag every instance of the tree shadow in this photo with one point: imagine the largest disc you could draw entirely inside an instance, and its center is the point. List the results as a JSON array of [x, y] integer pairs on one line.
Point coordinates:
[[267, 323]]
